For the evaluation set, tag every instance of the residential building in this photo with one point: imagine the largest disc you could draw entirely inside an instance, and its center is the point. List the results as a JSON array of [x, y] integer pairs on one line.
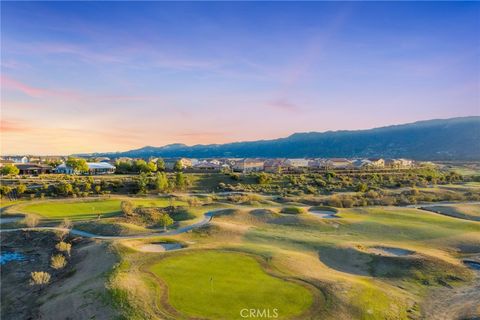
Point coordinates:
[[338, 163], [377, 162], [274, 165], [33, 168], [93, 168], [170, 163], [248, 165]]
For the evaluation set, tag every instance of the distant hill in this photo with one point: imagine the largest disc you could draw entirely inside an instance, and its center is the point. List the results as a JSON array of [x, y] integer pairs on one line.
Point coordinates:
[[446, 139]]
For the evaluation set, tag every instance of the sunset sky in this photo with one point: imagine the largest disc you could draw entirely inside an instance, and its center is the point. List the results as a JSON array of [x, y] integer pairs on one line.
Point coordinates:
[[112, 76]]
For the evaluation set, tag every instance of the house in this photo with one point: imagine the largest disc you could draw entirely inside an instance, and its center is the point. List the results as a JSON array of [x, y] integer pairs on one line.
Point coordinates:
[[316, 164], [274, 166], [297, 163], [170, 163], [248, 165], [362, 164], [338, 163], [377, 162], [93, 168], [102, 159], [209, 166], [398, 163], [33, 168]]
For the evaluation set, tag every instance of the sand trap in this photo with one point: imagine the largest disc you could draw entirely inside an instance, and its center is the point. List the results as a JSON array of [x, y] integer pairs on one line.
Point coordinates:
[[327, 214], [472, 264], [389, 251], [160, 247]]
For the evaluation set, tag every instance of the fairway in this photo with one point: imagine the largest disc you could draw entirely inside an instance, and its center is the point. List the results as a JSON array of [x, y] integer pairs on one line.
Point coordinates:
[[218, 285], [89, 209]]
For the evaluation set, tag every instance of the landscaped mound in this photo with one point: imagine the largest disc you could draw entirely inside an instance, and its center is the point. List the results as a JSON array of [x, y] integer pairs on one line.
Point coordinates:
[[293, 210], [389, 262]]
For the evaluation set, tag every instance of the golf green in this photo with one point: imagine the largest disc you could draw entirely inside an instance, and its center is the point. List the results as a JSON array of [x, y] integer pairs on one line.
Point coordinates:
[[227, 285]]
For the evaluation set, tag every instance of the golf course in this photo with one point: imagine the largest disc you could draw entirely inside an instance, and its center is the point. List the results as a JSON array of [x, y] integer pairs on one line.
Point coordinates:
[[222, 259]]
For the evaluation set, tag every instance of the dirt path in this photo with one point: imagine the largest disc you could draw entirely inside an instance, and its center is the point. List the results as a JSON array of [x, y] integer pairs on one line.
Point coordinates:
[[206, 219]]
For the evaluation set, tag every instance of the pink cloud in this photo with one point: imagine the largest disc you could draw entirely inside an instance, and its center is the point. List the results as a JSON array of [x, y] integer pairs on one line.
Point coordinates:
[[283, 104], [34, 92]]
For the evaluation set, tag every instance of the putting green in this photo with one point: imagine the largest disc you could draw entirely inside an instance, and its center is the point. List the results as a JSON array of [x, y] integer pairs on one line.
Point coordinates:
[[221, 285], [89, 209]]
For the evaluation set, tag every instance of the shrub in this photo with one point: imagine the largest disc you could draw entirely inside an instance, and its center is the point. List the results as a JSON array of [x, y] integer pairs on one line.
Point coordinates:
[[64, 247], [293, 210], [127, 208], [58, 261], [39, 278], [31, 221]]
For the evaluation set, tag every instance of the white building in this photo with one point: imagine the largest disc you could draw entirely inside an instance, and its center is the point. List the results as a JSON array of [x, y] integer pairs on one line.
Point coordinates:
[[93, 168]]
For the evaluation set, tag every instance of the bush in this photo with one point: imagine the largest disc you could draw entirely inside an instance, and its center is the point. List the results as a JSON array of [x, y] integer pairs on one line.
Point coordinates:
[[127, 208], [39, 278], [31, 221], [293, 210], [58, 261], [64, 247]]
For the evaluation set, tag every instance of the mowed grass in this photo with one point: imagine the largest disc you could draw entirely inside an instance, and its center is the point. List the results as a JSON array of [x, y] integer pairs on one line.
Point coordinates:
[[90, 209], [463, 211], [218, 285]]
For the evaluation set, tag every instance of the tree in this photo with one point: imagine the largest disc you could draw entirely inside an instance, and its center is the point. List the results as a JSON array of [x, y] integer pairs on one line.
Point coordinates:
[[9, 169], [263, 178], [39, 278], [152, 166], [21, 188], [65, 188], [180, 181], [142, 183], [58, 261], [362, 187], [141, 166], [98, 189], [160, 164], [127, 208], [78, 165], [5, 190], [161, 182], [178, 166], [165, 220]]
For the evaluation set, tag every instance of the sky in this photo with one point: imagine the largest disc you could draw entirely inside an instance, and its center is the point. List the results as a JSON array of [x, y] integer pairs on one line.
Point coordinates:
[[113, 76]]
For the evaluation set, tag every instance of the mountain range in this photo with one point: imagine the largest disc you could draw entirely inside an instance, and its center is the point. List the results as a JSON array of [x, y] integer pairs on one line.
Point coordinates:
[[441, 139]]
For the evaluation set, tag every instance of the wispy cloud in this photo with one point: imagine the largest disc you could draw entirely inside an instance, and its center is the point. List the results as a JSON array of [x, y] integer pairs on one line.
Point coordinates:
[[283, 104], [33, 91]]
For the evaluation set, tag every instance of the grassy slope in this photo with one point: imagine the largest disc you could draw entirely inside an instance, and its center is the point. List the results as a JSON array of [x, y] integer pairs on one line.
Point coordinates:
[[218, 285], [464, 211]]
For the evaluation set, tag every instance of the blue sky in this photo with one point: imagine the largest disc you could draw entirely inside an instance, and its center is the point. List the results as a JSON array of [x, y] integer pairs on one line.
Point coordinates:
[[106, 76]]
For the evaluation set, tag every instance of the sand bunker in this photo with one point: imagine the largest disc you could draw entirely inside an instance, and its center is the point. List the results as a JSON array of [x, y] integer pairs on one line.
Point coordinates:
[[324, 213], [390, 252], [160, 247]]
